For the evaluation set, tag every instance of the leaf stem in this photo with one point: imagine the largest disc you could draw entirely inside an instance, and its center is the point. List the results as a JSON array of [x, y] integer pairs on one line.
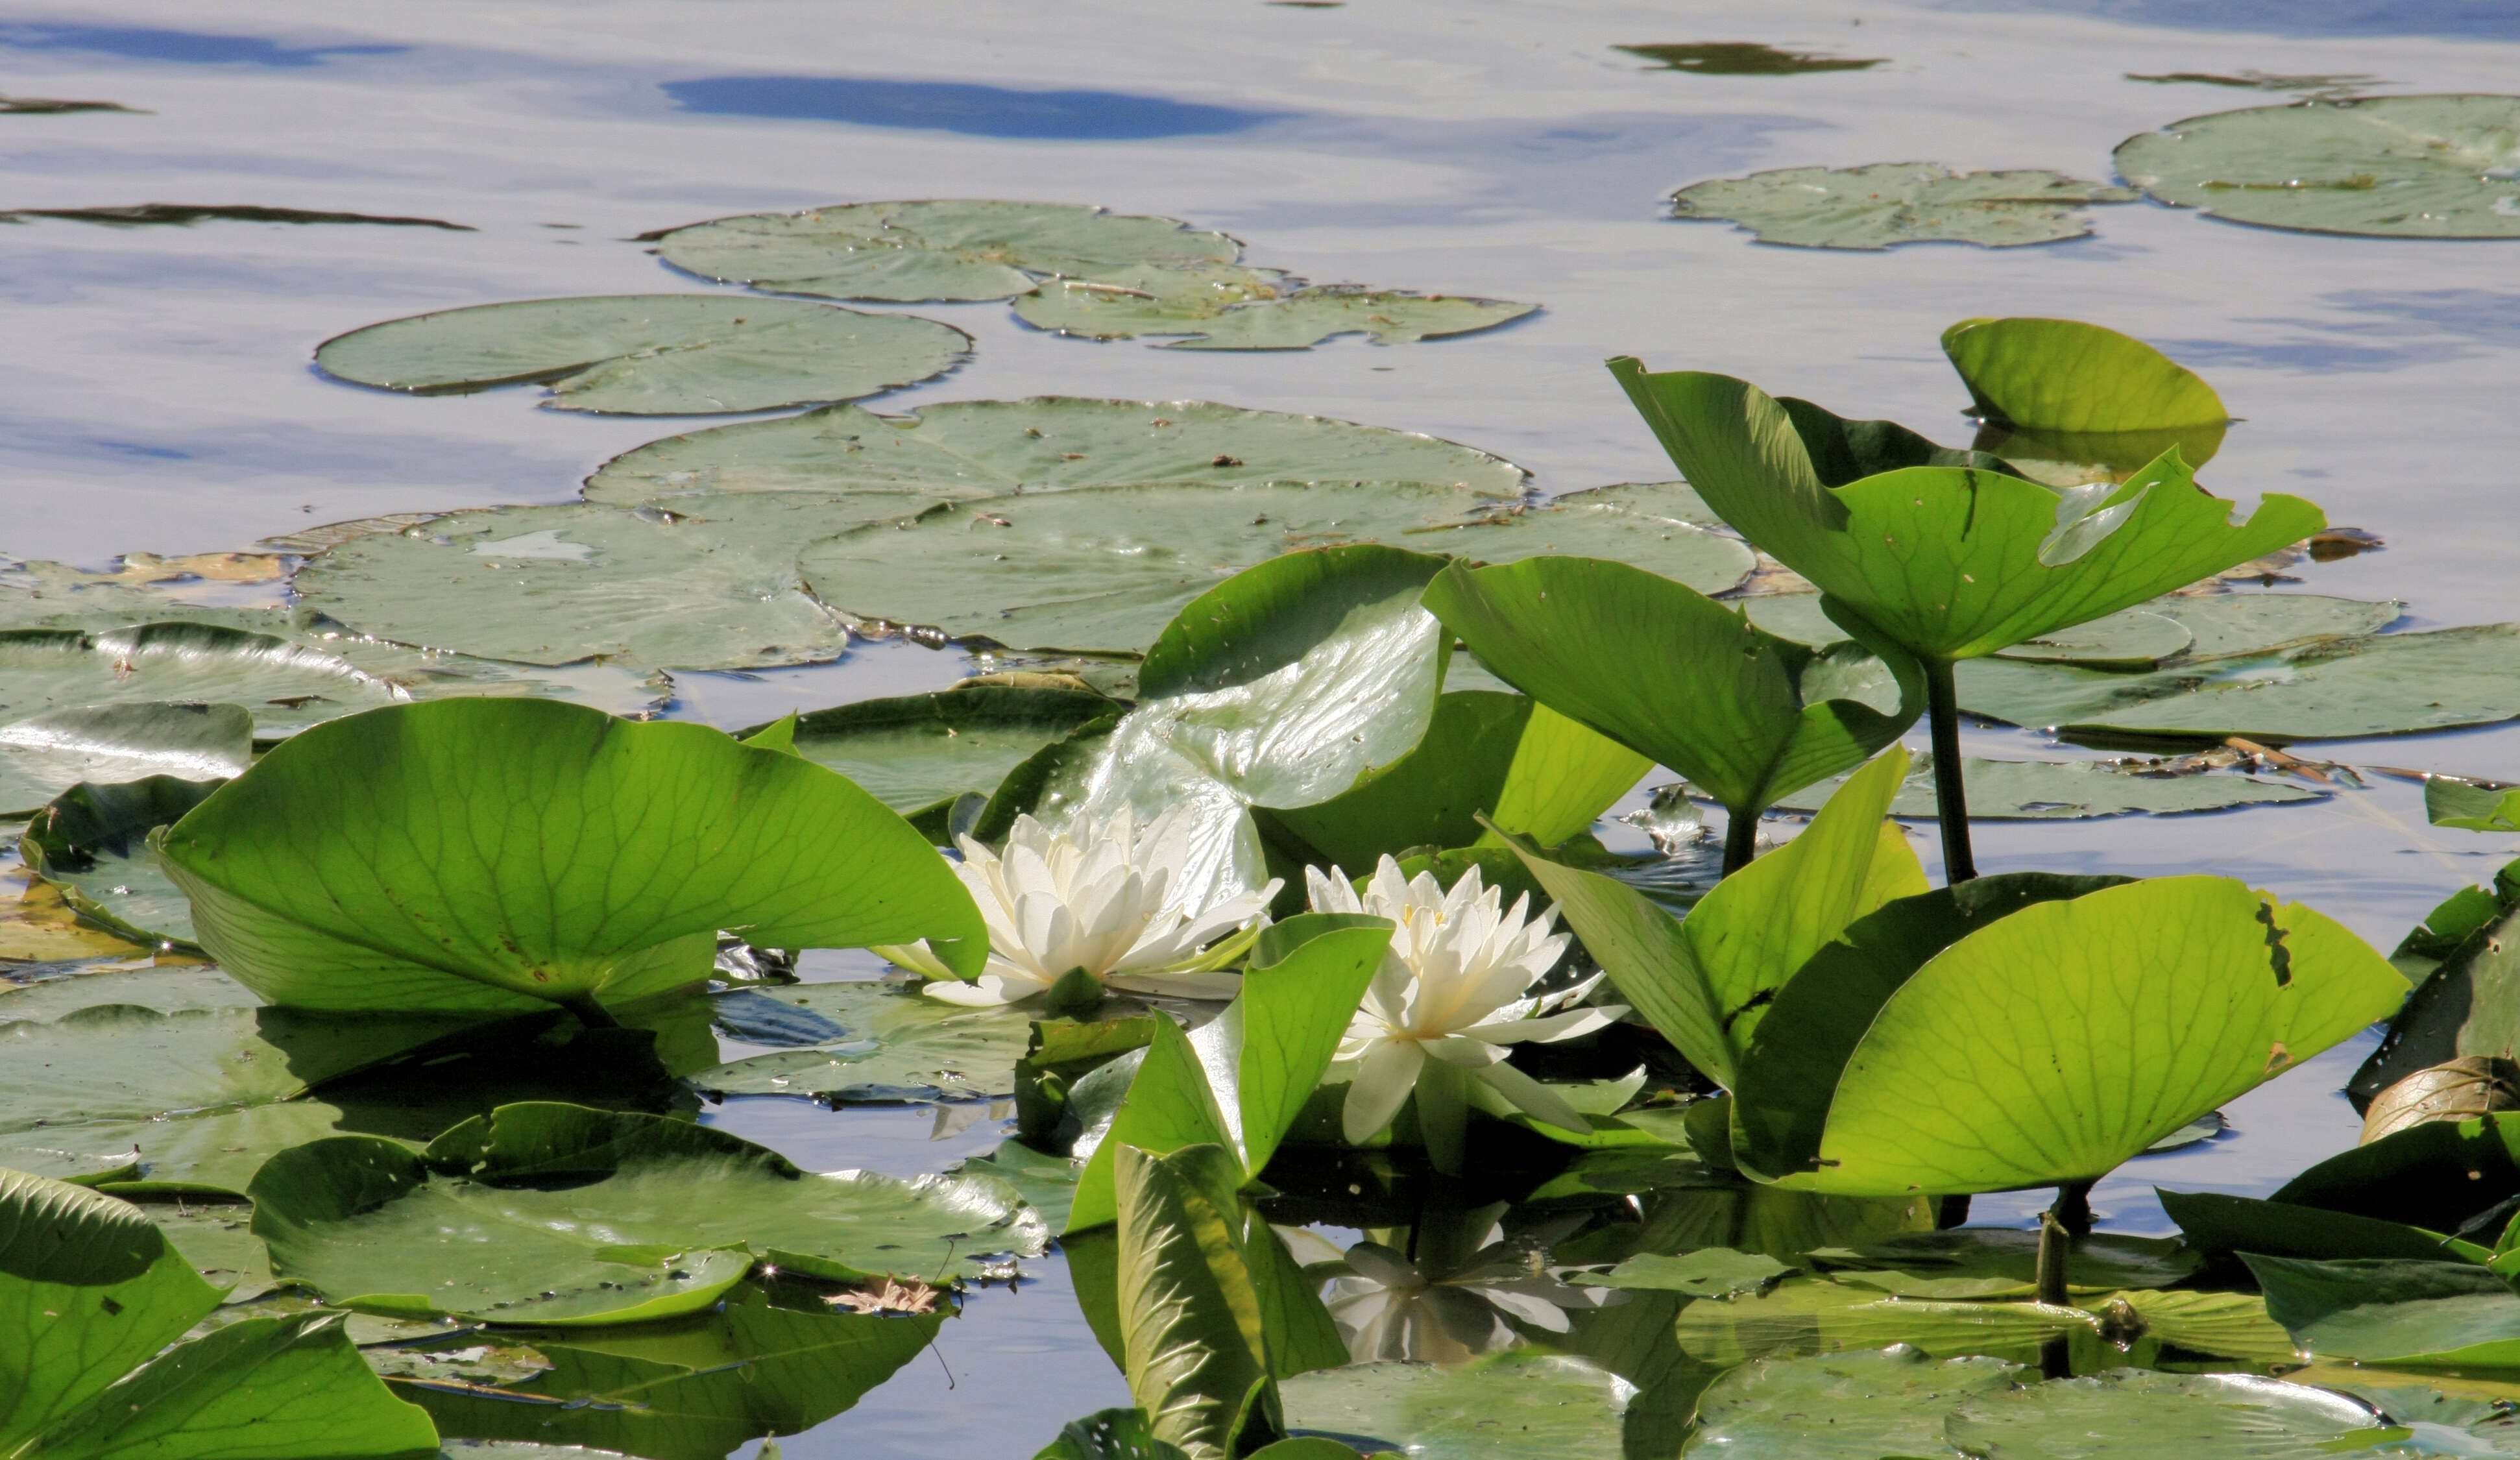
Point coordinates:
[[2069, 1217], [1740, 837], [590, 1013], [1951, 797]]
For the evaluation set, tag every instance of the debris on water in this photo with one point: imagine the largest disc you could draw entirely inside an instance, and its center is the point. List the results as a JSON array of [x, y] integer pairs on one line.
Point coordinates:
[[1732, 58], [893, 1296], [185, 215], [47, 106]]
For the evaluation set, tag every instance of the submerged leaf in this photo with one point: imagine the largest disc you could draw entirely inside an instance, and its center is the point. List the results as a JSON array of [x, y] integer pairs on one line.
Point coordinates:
[[1887, 203], [2395, 166], [661, 354], [2469, 807]]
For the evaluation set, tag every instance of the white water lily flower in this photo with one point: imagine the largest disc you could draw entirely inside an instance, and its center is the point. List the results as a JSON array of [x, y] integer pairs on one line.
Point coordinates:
[[1095, 896], [1455, 988]]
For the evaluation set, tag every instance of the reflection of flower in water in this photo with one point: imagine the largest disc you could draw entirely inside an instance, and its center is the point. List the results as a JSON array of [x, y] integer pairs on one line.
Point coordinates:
[[1387, 1307]]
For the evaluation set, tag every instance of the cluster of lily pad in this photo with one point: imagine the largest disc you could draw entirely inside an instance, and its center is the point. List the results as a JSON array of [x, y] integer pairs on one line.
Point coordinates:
[[1272, 943]]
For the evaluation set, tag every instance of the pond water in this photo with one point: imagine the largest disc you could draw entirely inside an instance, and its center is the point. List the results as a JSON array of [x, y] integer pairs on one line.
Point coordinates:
[[156, 394]]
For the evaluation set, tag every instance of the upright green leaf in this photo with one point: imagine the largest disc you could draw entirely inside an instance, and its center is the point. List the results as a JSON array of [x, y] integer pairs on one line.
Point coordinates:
[[2466, 954], [495, 854], [1705, 981], [1191, 1318], [1169, 1106], [1563, 776], [2063, 1039], [88, 1288], [2439, 1174], [1952, 563], [1669, 673], [92, 842], [2470, 807], [2075, 390], [2389, 1311]]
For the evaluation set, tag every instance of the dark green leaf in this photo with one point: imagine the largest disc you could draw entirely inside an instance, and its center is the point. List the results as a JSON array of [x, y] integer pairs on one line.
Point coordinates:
[[92, 842]]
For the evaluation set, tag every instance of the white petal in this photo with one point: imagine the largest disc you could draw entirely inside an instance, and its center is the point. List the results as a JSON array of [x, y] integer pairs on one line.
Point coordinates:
[[1383, 1080], [1548, 1028], [990, 992], [1330, 892]]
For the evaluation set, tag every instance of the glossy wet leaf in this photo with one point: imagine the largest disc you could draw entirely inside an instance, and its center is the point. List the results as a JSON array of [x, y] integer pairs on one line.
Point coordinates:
[[1657, 526], [285, 686], [1706, 981], [2203, 1416], [945, 248], [2151, 1003], [1195, 1357], [2068, 376], [2075, 790], [1860, 1405], [2379, 1309], [659, 1217], [986, 449], [713, 585], [1744, 59], [88, 1290], [1098, 570], [2397, 166], [1965, 1264], [92, 842], [2470, 807], [663, 354], [472, 854], [2467, 995], [1513, 1405], [915, 750], [1278, 688], [895, 1045], [282, 1387], [2440, 1174], [1883, 204], [45, 756], [1226, 306], [687, 1389], [1953, 562], [2337, 689], [1780, 716]]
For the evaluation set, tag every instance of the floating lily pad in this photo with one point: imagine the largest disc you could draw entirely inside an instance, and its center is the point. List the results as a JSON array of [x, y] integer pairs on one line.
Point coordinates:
[[2471, 807], [896, 1046], [2339, 689], [1814, 1315], [660, 1218], [1658, 526], [1511, 1406], [1991, 1263], [45, 754], [285, 686], [1732, 58], [987, 448], [916, 749], [2394, 166], [1707, 1272], [2378, 1311], [712, 585], [668, 354], [1841, 1406], [1228, 306], [2215, 625], [2072, 789], [944, 249], [1888, 204], [2135, 1411], [92, 842], [1100, 568]]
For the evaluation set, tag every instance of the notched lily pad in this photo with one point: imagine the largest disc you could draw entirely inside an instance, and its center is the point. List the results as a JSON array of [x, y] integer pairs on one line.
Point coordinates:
[[1659, 526], [1232, 307], [941, 249], [2392, 166], [2073, 791], [1887, 203], [670, 354], [986, 449]]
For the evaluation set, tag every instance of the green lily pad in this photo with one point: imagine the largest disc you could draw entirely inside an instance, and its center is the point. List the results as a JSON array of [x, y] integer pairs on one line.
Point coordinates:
[[92, 842], [285, 686], [2215, 625], [2469, 807], [1815, 1315], [2135, 1411], [1993, 1263], [1707, 1272], [942, 249], [216, 1239], [916, 749], [660, 1218], [986, 449], [1509, 1406], [2072, 791], [683, 1389], [488, 898], [1860, 1405], [1658, 526], [2466, 964], [2055, 392], [1228, 306], [1046, 1183], [45, 756], [2377, 1310], [1744, 59], [657, 354], [897, 1046], [2394, 166], [2335, 689], [1100, 568], [1884, 205], [2222, 1225]]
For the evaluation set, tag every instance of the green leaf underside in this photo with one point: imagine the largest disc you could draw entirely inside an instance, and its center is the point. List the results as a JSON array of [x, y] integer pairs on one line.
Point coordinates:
[[1951, 562], [2226, 1226], [987, 448], [941, 250], [1883, 204], [915, 750], [285, 686], [92, 842], [1516, 1403], [564, 854], [2061, 375], [650, 354], [659, 1217], [1706, 981], [1657, 526], [1742, 714], [2156, 1001], [2437, 1175], [1228, 306], [2341, 689], [2400, 167], [693, 1387], [2070, 790]]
